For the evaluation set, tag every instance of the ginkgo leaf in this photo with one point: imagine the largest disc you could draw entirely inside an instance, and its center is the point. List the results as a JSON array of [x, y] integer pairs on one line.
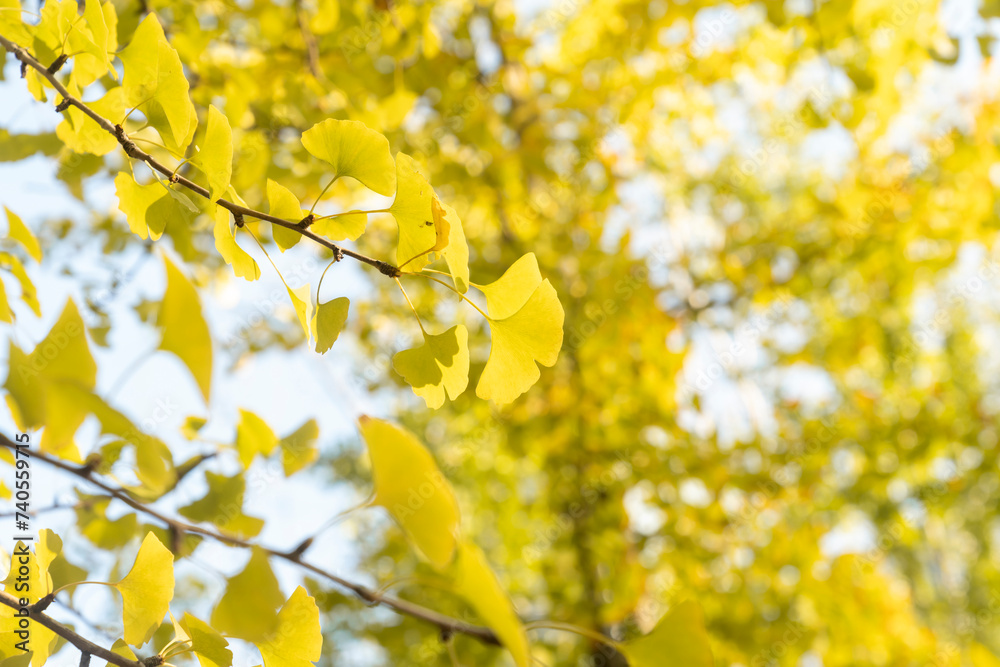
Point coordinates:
[[253, 436], [301, 298], [455, 249], [354, 150], [185, 332], [95, 55], [438, 366], [244, 266], [329, 322], [18, 231], [680, 634], [285, 205], [298, 449], [980, 656], [148, 208], [208, 645], [326, 17], [215, 155], [298, 640], [82, 135], [532, 334], [222, 506], [410, 486], [29, 295], [248, 608], [62, 355], [5, 314], [414, 218], [350, 225], [147, 591], [475, 581], [141, 61], [11, 25], [512, 290]]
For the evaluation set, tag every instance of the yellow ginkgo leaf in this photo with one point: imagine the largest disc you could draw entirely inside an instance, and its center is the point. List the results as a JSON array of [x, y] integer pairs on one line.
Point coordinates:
[[95, 55], [511, 291], [329, 322], [438, 366], [148, 208], [215, 154], [285, 205], [411, 487], [301, 298], [147, 591], [29, 295], [11, 25], [18, 231], [38, 638], [248, 608], [298, 449], [253, 436], [82, 135], [326, 17], [980, 656], [532, 334], [455, 249], [475, 581], [298, 639], [141, 61], [350, 225], [5, 314], [63, 355], [185, 332], [354, 150], [414, 218], [122, 649], [222, 506], [244, 266], [680, 634], [208, 645]]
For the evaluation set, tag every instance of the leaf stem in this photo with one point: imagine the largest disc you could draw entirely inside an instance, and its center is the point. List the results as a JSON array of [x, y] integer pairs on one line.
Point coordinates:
[[77, 583], [467, 299], [568, 627], [406, 296], [323, 192]]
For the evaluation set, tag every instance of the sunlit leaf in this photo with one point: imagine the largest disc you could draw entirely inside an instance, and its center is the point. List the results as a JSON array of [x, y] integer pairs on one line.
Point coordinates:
[[410, 486], [412, 210], [454, 249], [511, 291], [248, 608], [297, 641], [147, 590], [285, 205], [253, 436], [680, 634], [215, 155], [244, 266], [184, 330], [208, 645], [149, 208], [298, 449], [329, 321], [354, 150], [350, 225], [532, 334], [222, 506], [439, 366], [18, 231], [83, 135]]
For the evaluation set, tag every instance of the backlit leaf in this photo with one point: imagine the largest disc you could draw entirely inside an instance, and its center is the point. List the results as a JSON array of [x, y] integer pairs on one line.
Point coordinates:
[[83, 135], [438, 366], [354, 150], [680, 634], [244, 266], [298, 449], [410, 486], [248, 608], [350, 225], [511, 291], [329, 322], [208, 645], [215, 155], [149, 208], [18, 231], [297, 641], [185, 332], [253, 436], [147, 591], [222, 506], [412, 210], [455, 249], [285, 205]]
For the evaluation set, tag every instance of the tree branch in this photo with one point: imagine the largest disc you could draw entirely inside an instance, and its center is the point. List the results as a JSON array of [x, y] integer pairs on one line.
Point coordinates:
[[137, 153], [369, 596], [86, 646]]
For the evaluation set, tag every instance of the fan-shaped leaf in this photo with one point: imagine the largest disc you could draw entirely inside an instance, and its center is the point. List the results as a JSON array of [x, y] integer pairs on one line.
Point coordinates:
[[298, 640], [354, 150], [185, 332], [247, 609], [215, 157], [244, 266], [283, 204], [438, 366], [329, 322], [412, 210], [680, 634], [18, 231], [147, 591]]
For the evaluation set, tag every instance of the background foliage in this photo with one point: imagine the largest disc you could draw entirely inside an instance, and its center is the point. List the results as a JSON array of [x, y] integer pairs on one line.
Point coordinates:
[[771, 227]]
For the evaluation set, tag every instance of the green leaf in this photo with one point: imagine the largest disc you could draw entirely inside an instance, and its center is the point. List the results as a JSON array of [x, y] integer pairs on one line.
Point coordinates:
[[350, 225], [298, 449], [532, 334], [244, 266], [215, 157], [329, 322], [147, 590], [475, 581], [507, 295], [412, 210], [185, 332], [247, 609], [354, 150], [285, 205], [18, 231], [148, 208], [438, 366], [411, 487], [680, 634], [253, 436], [222, 506], [208, 645], [298, 639], [456, 250]]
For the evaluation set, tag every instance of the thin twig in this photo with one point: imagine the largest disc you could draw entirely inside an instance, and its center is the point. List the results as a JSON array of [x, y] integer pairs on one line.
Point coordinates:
[[133, 151]]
